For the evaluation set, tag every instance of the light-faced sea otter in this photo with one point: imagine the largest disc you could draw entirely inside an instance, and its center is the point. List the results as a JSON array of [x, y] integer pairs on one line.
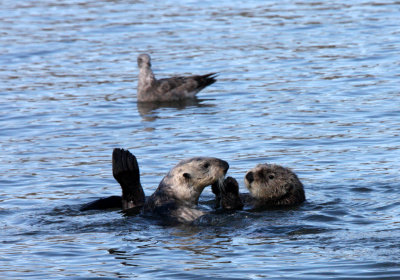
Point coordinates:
[[177, 195]]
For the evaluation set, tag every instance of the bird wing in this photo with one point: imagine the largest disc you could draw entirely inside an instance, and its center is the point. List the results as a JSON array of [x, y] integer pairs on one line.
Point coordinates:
[[186, 84]]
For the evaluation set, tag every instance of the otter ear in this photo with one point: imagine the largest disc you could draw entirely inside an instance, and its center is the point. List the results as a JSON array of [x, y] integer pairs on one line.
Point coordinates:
[[186, 175]]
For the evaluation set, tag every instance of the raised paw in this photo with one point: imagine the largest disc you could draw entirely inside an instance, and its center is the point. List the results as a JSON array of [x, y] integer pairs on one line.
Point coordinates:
[[126, 171]]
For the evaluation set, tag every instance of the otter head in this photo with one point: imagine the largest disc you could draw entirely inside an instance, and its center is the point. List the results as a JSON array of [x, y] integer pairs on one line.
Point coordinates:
[[274, 185], [144, 60], [189, 177]]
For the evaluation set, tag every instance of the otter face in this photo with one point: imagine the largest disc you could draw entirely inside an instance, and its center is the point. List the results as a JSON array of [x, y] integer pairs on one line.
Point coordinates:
[[189, 177], [274, 184], [144, 59]]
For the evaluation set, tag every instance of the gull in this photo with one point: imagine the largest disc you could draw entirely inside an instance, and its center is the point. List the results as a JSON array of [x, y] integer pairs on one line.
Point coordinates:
[[169, 89]]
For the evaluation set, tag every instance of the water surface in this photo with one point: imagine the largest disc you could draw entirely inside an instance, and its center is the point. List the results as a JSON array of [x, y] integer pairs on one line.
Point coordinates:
[[309, 85]]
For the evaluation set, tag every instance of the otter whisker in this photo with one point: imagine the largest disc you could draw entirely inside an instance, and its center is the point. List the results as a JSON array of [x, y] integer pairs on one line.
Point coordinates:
[[220, 183]]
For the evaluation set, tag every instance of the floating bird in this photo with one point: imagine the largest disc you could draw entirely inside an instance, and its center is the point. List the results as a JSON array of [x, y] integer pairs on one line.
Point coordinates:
[[170, 89]]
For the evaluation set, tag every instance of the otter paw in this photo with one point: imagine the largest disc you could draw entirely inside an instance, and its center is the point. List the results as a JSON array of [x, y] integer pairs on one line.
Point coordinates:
[[216, 190], [126, 171], [230, 197], [231, 186], [125, 167]]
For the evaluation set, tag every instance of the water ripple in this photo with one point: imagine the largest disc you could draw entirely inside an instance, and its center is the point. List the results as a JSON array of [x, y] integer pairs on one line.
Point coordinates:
[[309, 85]]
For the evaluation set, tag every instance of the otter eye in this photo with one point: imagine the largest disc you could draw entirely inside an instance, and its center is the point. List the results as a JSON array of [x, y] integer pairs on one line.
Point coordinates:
[[186, 175], [271, 176], [206, 165]]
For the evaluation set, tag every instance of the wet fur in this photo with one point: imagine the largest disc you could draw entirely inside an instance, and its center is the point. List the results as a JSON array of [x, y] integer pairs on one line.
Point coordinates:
[[178, 194], [269, 185], [126, 172], [227, 194], [273, 185]]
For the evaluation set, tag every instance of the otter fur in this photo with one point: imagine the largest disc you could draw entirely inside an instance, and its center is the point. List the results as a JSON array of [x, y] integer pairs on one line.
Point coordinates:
[[178, 192], [177, 195], [269, 185], [126, 172]]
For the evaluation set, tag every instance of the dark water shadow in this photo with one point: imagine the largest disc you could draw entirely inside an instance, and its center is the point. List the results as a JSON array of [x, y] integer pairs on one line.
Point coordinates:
[[147, 110]]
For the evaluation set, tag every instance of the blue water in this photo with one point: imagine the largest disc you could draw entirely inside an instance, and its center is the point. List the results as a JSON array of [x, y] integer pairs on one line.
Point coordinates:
[[310, 85]]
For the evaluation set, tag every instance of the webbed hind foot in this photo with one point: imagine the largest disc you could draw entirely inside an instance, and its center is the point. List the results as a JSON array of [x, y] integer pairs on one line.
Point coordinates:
[[126, 171]]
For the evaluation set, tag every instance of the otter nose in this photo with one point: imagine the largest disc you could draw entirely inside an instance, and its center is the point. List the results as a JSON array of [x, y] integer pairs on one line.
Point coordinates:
[[250, 177], [225, 166]]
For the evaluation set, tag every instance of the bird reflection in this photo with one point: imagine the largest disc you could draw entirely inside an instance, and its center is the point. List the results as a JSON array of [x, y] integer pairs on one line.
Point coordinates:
[[147, 110]]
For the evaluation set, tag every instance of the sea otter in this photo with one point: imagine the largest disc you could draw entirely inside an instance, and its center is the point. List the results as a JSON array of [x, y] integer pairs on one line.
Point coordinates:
[[170, 89], [126, 172], [269, 185], [177, 195]]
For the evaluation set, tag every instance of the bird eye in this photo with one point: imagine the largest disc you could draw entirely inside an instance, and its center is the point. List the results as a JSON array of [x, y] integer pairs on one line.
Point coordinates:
[[271, 176]]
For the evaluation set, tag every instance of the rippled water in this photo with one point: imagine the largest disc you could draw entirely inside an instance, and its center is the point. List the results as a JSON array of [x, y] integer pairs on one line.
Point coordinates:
[[309, 85]]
